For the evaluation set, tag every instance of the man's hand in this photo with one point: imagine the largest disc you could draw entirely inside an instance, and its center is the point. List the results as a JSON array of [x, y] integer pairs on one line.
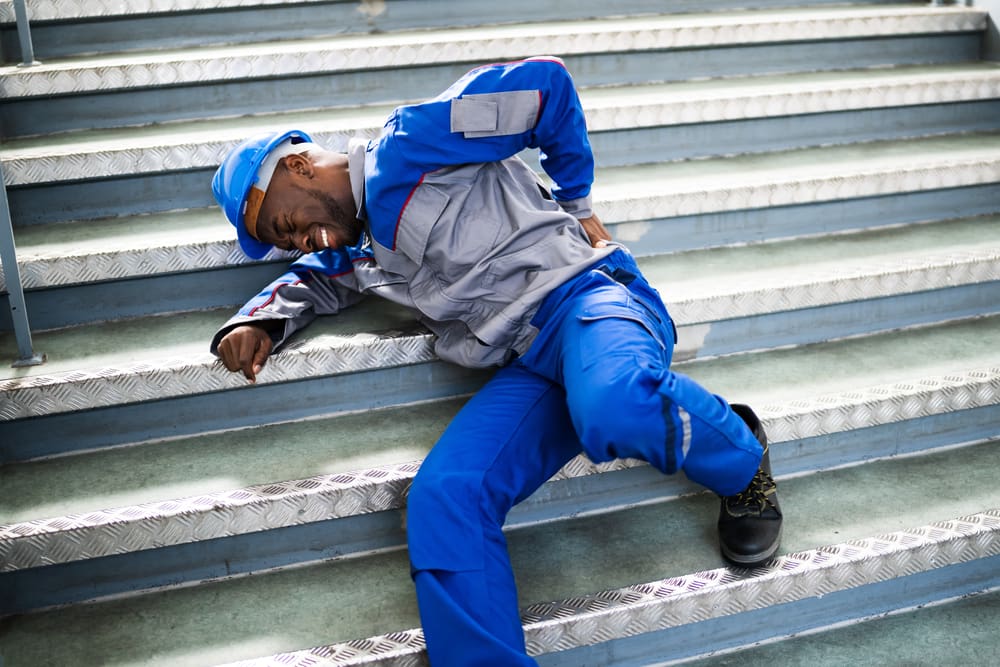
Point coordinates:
[[596, 231], [245, 348]]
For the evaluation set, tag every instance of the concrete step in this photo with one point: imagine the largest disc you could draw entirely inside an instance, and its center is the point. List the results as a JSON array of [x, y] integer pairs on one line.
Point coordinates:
[[143, 490], [825, 406], [192, 83], [298, 57], [935, 271], [654, 209], [931, 537], [71, 27], [200, 144], [667, 618]]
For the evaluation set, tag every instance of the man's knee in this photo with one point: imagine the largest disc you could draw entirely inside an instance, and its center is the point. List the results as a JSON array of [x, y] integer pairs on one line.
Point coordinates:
[[620, 418], [444, 521]]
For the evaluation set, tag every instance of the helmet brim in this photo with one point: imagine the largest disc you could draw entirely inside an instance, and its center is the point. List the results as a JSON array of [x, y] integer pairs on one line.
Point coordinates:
[[237, 174]]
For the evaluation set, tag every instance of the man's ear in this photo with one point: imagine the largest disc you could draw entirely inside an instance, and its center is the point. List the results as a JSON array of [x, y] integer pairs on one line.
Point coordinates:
[[299, 165]]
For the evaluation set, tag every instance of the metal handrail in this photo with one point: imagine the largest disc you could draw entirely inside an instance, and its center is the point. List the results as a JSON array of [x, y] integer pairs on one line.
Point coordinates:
[[15, 291], [24, 34], [8, 253]]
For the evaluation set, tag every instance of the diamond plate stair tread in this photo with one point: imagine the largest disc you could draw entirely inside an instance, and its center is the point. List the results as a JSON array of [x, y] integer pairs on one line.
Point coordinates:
[[229, 460], [630, 100], [353, 598], [682, 278], [127, 247], [631, 195], [798, 176], [49, 10], [157, 470], [85, 372], [672, 604], [145, 341], [900, 357], [480, 44], [722, 283], [59, 254], [201, 143]]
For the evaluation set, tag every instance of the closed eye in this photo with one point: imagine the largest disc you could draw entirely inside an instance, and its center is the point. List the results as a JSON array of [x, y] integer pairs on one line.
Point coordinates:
[[282, 234]]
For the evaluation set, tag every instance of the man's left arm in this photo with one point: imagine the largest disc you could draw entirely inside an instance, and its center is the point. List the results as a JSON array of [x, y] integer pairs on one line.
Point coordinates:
[[494, 112]]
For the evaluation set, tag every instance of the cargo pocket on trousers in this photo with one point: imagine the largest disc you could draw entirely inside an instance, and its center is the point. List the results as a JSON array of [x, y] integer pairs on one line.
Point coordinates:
[[614, 310]]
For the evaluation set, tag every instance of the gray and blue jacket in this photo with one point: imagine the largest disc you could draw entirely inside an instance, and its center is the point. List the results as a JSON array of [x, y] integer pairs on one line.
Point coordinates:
[[456, 226]]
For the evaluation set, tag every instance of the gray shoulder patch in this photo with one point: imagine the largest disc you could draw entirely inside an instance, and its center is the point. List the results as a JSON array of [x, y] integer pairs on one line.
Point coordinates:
[[495, 114]]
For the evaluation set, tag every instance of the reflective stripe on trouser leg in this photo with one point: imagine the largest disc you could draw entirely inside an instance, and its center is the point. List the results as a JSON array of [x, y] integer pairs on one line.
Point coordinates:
[[612, 354], [511, 437], [685, 432], [716, 448]]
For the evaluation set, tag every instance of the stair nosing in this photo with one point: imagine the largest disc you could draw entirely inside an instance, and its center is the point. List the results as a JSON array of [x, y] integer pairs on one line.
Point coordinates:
[[430, 47], [700, 596], [205, 149], [53, 269], [37, 395], [60, 10], [93, 534], [43, 393], [701, 195]]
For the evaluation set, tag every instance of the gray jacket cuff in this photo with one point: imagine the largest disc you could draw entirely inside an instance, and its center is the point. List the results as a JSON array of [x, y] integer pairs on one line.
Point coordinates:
[[578, 208], [279, 333]]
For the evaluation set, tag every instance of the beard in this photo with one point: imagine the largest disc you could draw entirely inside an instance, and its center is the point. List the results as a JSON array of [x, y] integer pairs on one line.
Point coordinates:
[[348, 227]]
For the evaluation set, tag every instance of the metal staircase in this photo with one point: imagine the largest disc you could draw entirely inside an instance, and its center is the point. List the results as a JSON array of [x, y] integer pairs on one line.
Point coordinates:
[[813, 187]]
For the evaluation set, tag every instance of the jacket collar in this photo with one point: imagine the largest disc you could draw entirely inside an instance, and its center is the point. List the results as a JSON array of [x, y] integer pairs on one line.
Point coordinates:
[[356, 169]]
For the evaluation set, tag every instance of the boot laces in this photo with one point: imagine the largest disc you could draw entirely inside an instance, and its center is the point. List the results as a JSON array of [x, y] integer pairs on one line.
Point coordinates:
[[756, 498]]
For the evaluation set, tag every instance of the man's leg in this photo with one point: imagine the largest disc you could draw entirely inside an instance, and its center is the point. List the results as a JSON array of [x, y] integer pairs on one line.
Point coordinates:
[[610, 345], [511, 437], [612, 352]]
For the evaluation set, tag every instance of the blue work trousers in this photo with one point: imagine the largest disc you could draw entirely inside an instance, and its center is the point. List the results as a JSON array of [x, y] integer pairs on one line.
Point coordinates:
[[595, 380]]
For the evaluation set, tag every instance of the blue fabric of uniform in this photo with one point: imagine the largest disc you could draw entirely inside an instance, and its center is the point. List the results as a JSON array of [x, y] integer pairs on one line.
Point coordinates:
[[610, 346], [596, 380], [418, 139], [511, 437]]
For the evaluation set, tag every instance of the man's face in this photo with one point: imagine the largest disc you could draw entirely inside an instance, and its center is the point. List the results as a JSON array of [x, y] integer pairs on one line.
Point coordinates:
[[304, 217]]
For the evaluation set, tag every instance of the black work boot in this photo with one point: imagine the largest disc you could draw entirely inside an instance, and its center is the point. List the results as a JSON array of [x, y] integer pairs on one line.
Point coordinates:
[[750, 521]]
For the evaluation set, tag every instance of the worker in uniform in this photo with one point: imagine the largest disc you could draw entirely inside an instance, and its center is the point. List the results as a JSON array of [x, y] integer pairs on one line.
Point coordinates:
[[438, 214]]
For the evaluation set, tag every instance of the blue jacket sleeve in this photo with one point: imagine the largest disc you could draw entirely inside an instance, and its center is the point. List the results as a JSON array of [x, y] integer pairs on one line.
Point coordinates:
[[315, 284], [494, 112]]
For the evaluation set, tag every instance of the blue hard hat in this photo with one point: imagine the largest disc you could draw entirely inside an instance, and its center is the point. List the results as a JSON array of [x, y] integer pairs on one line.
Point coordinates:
[[238, 172]]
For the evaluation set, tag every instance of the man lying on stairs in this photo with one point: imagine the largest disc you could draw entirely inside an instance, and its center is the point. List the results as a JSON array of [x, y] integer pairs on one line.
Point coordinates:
[[439, 215]]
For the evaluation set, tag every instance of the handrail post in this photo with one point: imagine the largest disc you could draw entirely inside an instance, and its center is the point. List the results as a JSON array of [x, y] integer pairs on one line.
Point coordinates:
[[24, 34], [12, 280]]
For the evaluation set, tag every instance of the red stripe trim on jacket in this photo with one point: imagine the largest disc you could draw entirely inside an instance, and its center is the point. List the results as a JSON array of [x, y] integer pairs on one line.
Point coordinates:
[[395, 234], [274, 293]]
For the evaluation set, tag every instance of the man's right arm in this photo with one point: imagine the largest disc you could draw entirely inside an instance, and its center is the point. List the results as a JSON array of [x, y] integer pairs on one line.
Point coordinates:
[[317, 284]]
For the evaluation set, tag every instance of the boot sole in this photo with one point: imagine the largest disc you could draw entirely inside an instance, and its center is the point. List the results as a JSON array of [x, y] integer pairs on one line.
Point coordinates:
[[751, 560]]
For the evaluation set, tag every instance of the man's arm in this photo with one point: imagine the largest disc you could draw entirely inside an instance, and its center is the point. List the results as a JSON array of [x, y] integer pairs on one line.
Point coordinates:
[[490, 114], [496, 111], [316, 284]]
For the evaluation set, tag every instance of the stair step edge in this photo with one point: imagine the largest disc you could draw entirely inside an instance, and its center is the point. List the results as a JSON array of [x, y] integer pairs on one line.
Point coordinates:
[[42, 393], [479, 45], [77, 537], [658, 605]]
